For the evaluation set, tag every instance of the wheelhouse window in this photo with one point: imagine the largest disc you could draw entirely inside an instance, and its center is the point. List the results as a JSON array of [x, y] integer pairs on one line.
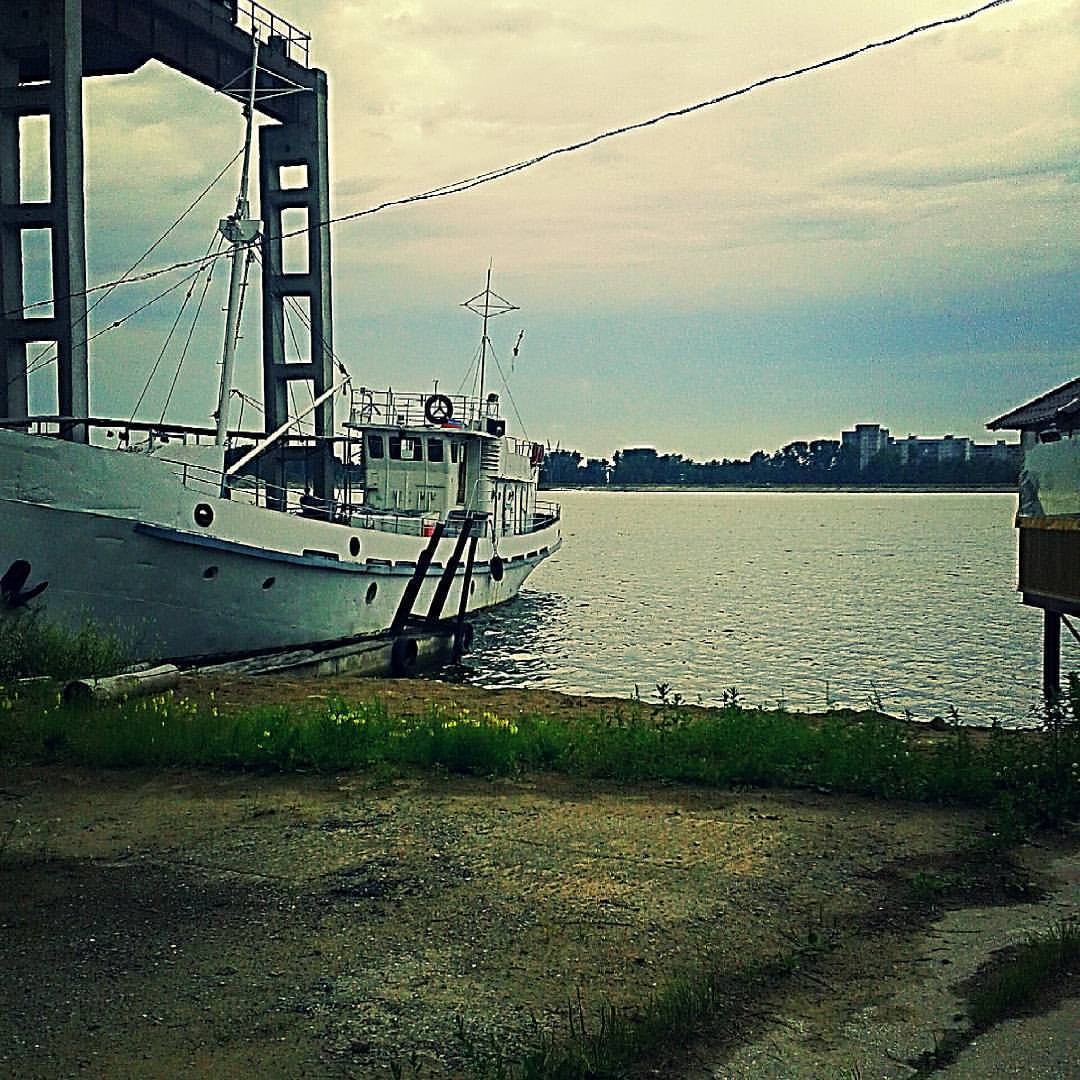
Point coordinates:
[[435, 450], [375, 446], [406, 449]]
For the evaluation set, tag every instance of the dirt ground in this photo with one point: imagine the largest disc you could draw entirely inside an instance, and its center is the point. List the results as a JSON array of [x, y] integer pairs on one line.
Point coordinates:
[[221, 924]]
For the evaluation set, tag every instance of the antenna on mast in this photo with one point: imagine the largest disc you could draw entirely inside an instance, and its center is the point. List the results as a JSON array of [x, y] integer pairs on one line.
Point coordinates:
[[487, 305]]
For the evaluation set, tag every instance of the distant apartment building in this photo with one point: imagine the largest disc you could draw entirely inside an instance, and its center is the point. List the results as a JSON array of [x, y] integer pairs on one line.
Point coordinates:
[[948, 449], [867, 441]]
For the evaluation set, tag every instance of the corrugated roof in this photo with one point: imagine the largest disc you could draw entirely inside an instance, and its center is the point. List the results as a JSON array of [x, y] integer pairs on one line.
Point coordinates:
[[1059, 404]]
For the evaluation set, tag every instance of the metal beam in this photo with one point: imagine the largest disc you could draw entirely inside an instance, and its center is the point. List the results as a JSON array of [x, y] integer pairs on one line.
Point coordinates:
[[1051, 654]]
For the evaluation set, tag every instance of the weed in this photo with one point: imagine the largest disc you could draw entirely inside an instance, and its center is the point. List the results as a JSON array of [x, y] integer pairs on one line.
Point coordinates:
[[729, 698], [1025, 979], [666, 695], [30, 646], [1025, 780], [1017, 982]]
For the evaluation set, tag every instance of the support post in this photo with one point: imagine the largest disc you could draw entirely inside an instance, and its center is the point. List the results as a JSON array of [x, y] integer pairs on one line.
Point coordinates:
[[1051, 653], [442, 590], [303, 143], [460, 629], [53, 29], [415, 583]]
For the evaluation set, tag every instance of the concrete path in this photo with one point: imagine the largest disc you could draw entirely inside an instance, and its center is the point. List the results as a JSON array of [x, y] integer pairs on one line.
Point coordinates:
[[874, 1030]]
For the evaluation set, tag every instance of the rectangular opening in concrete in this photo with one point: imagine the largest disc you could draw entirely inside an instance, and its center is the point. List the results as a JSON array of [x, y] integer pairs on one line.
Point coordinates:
[[34, 161], [41, 378], [293, 177], [294, 249], [297, 333], [37, 273]]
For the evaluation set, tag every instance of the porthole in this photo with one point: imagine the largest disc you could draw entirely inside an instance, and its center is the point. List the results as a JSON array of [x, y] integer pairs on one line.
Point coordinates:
[[354, 546], [210, 573], [269, 583], [372, 592], [204, 514], [472, 588]]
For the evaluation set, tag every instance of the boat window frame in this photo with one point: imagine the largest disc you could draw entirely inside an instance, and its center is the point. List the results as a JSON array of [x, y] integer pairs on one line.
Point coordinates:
[[396, 445]]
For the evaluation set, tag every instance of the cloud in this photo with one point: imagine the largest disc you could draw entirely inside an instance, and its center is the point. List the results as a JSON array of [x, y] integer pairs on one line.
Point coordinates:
[[925, 177]]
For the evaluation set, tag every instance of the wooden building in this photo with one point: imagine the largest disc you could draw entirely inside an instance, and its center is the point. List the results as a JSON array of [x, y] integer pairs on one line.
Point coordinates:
[[1048, 519]]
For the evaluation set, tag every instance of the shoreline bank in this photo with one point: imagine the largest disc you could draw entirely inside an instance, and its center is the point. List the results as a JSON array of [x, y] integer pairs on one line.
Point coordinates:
[[912, 489]]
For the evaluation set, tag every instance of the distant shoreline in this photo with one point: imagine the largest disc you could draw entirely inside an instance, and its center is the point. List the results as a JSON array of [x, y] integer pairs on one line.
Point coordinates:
[[911, 489]]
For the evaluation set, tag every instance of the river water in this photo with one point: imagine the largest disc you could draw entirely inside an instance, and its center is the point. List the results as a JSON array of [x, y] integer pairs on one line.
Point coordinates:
[[803, 598]]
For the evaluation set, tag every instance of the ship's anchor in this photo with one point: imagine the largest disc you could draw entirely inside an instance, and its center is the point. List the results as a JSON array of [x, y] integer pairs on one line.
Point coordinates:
[[12, 593]]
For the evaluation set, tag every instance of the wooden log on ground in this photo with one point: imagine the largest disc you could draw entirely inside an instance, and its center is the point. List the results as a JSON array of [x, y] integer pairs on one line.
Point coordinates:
[[155, 680]]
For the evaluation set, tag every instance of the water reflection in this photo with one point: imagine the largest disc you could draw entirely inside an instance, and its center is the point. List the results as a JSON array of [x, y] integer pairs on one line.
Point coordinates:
[[803, 598]]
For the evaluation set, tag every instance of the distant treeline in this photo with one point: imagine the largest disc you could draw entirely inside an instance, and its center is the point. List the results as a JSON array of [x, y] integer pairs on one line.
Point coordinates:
[[822, 461]]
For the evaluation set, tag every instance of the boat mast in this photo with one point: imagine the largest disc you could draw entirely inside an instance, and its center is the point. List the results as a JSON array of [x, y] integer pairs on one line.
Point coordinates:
[[487, 312], [484, 338], [240, 231]]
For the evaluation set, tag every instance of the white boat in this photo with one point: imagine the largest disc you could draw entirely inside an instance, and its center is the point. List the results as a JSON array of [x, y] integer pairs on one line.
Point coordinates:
[[145, 542], [194, 543]]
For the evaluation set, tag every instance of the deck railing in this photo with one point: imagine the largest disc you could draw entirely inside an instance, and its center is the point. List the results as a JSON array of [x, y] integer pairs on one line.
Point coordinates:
[[387, 407], [274, 32], [254, 489]]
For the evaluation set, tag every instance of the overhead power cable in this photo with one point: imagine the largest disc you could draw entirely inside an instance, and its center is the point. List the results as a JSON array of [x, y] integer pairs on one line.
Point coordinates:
[[507, 170], [458, 186]]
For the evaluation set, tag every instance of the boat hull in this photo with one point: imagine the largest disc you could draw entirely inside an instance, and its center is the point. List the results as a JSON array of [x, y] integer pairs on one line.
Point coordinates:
[[119, 539]]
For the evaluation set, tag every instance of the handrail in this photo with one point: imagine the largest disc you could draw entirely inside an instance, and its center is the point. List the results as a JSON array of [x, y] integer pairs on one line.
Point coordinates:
[[271, 30], [386, 408]]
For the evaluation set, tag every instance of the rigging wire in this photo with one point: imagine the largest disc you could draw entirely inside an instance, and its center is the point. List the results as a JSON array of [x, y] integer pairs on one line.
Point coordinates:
[[187, 343], [292, 394], [509, 392], [317, 338], [119, 322], [458, 186], [126, 276], [472, 371], [168, 337]]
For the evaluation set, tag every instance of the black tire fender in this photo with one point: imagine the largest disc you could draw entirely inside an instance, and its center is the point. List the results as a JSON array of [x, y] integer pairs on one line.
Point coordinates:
[[403, 656]]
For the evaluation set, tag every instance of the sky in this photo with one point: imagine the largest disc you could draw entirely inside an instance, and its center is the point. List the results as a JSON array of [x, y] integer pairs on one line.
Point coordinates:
[[893, 240]]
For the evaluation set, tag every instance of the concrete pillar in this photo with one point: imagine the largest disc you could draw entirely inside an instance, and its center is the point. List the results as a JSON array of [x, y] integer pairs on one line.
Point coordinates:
[[13, 401], [52, 29], [304, 143], [69, 211]]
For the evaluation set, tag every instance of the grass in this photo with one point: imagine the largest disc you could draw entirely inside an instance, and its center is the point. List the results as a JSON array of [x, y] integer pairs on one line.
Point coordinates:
[[30, 646], [607, 1042], [1018, 982], [1025, 980], [1026, 781]]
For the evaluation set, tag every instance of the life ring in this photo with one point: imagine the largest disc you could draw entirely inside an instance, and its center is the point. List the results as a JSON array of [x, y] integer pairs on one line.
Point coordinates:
[[438, 409]]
